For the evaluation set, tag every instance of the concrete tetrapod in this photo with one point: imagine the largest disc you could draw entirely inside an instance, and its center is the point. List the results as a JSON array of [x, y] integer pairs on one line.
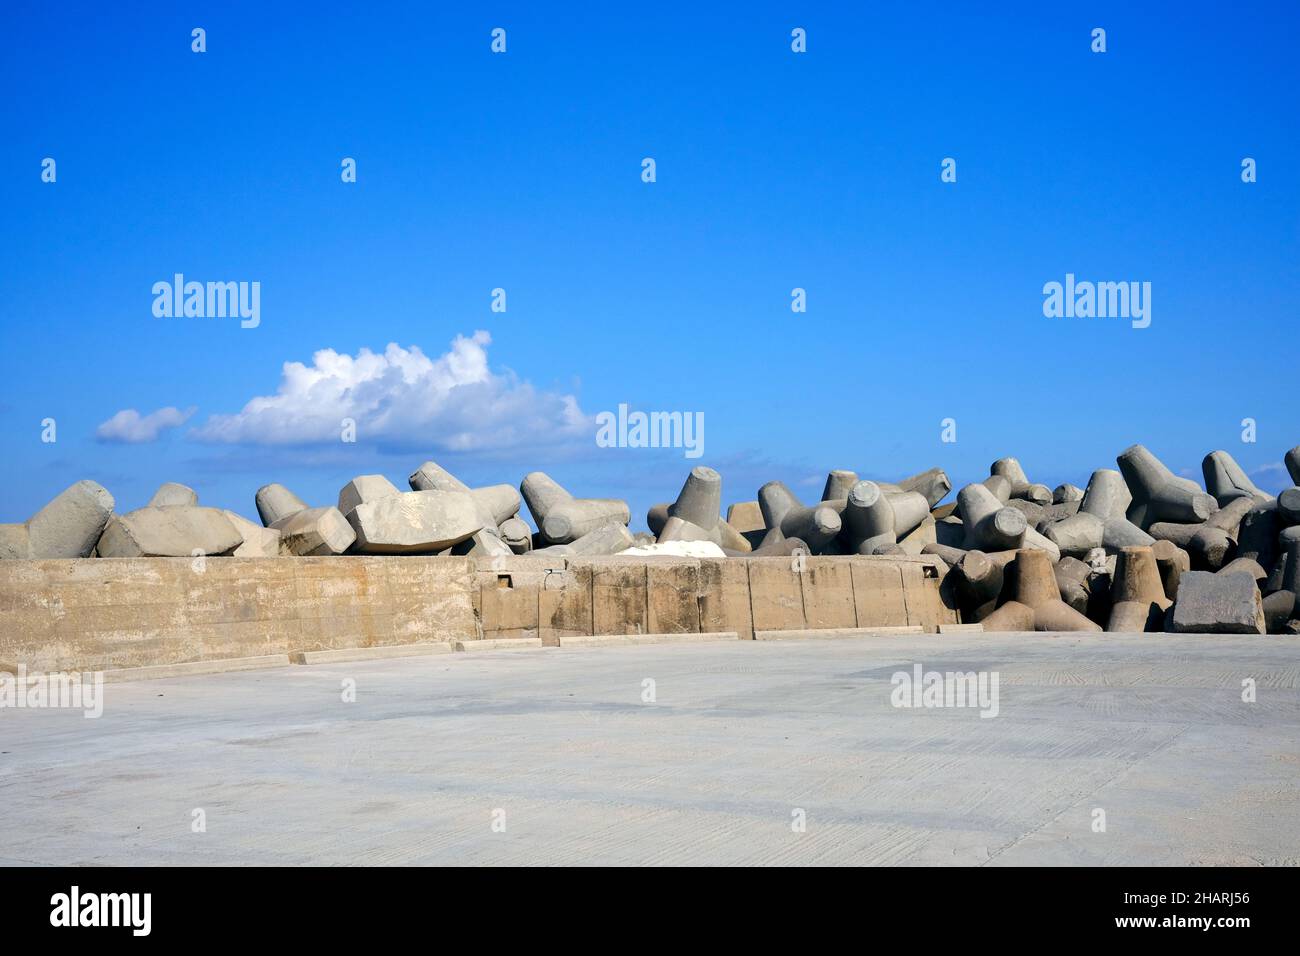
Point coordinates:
[[275, 502], [1021, 486], [1066, 492], [172, 493], [1225, 480], [68, 527], [721, 534], [1100, 521], [868, 519], [934, 484], [1159, 494], [1280, 605], [517, 535], [698, 506], [499, 503], [1288, 507], [1035, 602], [365, 488], [1292, 462], [610, 539], [786, 517], [390, 521], [258, 542], [991, 527], [313, 532], [1213, 541], [562, 518], [1073, 581], [874, 518], [1257, 535], [1000, 485], [838, 485], [746, 517], [1172, 561], [495, 505], [1138, 601], [414, 522], [173, 531], [978, 580]]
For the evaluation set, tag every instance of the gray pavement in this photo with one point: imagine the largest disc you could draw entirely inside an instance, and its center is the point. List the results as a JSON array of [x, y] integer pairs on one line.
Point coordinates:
[[437, 753]]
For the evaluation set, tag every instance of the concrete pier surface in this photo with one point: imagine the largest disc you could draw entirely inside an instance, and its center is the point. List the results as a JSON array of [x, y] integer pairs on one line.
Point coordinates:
[[556, 756]]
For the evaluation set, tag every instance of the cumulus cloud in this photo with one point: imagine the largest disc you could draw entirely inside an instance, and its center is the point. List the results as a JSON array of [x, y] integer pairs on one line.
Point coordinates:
[[401, 397], [130, 427]]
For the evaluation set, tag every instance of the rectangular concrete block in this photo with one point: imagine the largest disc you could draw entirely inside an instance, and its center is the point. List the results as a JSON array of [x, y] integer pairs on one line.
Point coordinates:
[[775, 594], [827, 590], [926, 603], [501, 644], [508, 595], [878, 593], [672, 595], [724, 597], [923, 534], [1218, 604], [618, 595], [196, 668], [961, 628], [345, 654], [565, 604]]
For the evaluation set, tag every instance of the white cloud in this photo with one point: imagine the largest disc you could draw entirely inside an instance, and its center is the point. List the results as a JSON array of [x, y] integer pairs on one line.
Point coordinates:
[[402, 397], [130, 427]]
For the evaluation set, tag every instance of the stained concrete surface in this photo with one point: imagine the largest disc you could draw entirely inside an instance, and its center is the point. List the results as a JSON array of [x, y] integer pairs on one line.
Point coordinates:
[[1151, 729]]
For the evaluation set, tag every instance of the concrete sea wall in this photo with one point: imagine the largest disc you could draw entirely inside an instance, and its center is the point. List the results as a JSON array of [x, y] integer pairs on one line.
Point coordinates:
[[135, 612]]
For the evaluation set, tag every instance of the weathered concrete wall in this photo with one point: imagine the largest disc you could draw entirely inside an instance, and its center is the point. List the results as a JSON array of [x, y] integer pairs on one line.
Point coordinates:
[[130, 612], [555, 597]]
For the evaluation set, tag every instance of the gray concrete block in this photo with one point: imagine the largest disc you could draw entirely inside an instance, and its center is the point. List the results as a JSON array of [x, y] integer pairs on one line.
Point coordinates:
[[838, 485], [414, 522], [433, 477], [1171, 562], [311, 532], [1021, 486], [71, 524], [275, 502], [562, 518], [172, 532], [1138, 599], [1288, 506], [1066, 492], [173, 493], [365, 488], [1226, 481], [1218, 604], [610, 539], [989, 525], [258, 542], [868, 519], [934, 484], [516, 534], [1159, 494]]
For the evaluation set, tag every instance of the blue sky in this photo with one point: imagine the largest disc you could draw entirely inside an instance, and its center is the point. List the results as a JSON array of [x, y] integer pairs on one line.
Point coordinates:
[[522, 171]]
